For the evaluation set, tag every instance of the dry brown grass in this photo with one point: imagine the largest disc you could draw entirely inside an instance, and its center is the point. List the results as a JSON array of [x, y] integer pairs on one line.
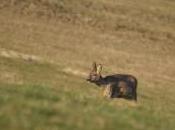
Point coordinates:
[[123, 52]]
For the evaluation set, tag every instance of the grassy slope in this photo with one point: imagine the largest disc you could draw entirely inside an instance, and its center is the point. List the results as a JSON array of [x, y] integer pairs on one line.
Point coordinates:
[[50, 92]]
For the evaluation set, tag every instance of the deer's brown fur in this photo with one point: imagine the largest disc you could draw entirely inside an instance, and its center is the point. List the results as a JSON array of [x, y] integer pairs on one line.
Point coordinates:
[[116, 86]]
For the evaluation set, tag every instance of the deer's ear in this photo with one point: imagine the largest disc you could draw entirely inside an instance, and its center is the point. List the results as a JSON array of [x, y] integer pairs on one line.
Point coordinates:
[[99, 69], [94, 67]]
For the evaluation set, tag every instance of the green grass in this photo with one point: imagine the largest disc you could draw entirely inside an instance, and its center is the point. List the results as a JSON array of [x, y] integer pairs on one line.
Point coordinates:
[[42, 107], [72, 103], [66, 36]]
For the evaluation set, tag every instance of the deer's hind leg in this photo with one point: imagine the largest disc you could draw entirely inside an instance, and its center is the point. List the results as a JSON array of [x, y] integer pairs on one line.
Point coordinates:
[[135, 95]]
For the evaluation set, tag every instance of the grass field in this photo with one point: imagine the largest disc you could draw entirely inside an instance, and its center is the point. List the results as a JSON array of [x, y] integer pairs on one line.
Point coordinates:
[[47, 48]]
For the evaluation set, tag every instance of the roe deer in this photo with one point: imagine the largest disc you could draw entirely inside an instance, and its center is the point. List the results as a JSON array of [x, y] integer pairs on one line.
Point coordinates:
[[115, 86]]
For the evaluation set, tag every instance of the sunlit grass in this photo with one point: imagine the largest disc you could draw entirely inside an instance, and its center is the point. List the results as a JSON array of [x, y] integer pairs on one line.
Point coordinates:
[[42, 107], [72, 103]]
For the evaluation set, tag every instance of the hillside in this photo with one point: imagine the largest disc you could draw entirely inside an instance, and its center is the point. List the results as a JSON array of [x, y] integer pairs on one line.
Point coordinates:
[[47, 48]]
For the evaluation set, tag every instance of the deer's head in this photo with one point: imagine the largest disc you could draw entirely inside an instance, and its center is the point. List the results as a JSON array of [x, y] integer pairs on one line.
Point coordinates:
[[95, 73]]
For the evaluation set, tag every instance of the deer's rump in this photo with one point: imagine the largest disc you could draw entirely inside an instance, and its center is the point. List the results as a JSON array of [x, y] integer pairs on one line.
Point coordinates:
[[122, 86]]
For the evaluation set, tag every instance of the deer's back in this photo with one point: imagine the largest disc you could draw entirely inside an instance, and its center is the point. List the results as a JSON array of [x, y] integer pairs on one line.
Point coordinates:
[[114, 79], [122, 85]]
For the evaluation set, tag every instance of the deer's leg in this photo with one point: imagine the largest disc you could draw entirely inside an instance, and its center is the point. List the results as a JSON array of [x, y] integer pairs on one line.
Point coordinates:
[[108, 91], [135, 95]]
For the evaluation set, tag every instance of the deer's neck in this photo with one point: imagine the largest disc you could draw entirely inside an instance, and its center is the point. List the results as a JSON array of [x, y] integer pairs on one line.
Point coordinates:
[[101, 81]]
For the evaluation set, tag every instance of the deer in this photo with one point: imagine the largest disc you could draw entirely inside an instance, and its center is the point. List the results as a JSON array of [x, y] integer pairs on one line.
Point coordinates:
[[116, 85]]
